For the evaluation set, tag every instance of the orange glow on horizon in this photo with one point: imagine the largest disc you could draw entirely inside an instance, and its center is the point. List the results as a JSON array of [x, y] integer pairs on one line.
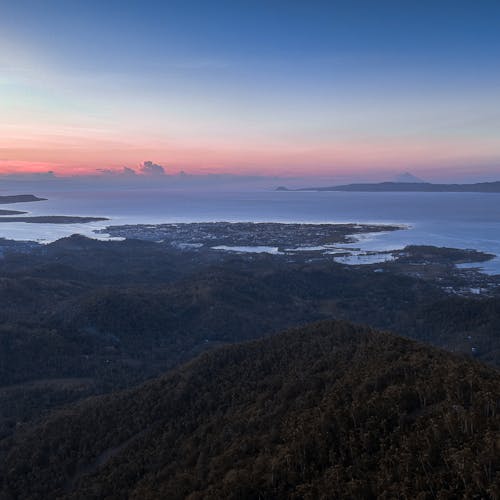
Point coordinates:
[[256, 159]]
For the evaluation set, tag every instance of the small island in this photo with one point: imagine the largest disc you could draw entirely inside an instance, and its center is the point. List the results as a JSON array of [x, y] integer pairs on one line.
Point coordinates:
[[15, 215], [11, 212], [53, 219], [19, 198]]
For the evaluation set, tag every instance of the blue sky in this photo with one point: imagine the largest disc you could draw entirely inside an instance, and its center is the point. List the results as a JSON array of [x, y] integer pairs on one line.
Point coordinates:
[[254, 87]]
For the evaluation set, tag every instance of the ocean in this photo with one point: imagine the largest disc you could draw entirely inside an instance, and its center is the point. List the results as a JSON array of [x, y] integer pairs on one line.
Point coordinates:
[[459, 220]]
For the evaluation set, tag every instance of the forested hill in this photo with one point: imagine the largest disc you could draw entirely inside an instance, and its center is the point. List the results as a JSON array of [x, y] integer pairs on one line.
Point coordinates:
[[330, 410], [416, 187]]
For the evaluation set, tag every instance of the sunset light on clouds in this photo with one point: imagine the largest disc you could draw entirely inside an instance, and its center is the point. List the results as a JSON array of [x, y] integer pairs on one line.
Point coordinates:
[[284, 89]]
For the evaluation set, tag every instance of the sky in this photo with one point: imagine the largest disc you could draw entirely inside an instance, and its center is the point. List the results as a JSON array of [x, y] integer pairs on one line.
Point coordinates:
[[323, 89]]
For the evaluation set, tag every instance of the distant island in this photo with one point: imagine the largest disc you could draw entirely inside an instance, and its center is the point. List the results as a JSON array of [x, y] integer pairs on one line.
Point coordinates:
[[14, 215], [11, 212], [53, 219], [414, 187], [19, 198]]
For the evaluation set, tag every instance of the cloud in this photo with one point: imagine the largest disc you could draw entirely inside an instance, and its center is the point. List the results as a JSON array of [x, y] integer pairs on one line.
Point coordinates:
[[123, 172], [150, 168]]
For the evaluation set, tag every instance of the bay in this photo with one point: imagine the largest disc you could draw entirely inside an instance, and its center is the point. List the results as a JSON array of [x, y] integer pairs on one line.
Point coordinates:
[[458, 220]]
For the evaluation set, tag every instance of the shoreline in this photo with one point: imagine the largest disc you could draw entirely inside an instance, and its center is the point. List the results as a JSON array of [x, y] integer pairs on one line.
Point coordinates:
[[366, 242]]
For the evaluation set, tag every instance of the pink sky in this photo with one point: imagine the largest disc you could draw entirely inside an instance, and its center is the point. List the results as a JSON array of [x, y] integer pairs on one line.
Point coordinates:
[[319, 92], [438, 157]]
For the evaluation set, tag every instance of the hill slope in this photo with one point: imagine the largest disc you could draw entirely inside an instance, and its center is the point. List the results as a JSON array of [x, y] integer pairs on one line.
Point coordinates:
[[326, 411]]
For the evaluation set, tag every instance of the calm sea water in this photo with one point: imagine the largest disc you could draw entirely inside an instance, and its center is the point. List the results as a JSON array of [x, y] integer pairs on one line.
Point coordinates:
[[460, 220]]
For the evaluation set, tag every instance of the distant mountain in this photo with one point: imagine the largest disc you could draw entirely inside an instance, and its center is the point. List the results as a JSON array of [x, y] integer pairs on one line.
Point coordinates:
[[330, 410], [408, 177], [424, 187]]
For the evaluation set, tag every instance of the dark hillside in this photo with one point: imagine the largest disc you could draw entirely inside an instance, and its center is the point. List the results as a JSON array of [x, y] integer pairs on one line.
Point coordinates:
[[326, 411]]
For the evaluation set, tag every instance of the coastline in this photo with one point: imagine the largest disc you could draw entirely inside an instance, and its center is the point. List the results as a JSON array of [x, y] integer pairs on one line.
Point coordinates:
[[456, 224]]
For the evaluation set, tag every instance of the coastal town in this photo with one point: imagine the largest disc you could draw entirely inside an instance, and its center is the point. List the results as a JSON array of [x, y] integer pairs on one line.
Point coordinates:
[[271, 234]]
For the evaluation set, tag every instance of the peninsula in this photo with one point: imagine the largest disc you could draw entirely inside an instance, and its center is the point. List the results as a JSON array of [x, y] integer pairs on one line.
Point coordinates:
[[274, 234], [410, 187]]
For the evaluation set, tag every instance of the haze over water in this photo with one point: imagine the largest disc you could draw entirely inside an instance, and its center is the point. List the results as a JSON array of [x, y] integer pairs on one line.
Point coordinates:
[[458, 220]]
